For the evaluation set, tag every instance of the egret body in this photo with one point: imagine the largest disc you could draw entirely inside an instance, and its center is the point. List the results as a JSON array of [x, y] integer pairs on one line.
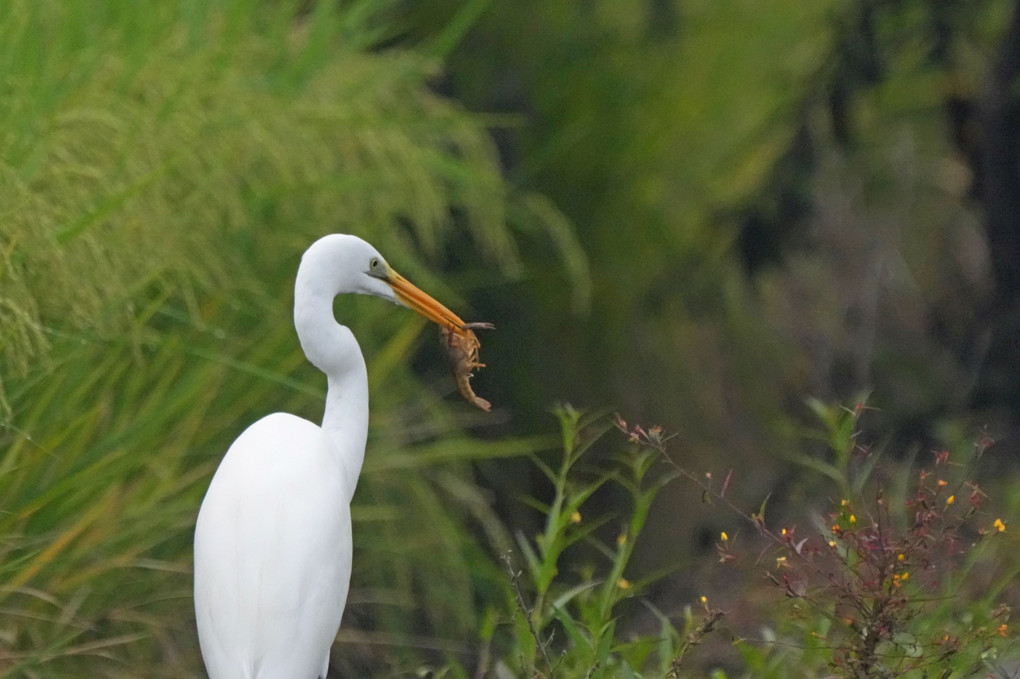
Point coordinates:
[[273, 539]]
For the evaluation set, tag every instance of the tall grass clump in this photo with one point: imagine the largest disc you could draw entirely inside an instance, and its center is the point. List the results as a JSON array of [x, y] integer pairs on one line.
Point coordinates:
[[162, 166]]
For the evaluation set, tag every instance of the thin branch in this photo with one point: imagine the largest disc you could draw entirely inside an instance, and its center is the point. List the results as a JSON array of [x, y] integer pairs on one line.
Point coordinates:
[[515, 577]]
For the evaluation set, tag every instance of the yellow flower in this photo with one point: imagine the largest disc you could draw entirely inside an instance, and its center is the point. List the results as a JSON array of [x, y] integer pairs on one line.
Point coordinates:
[[622, 583], [724, 536], [832, 543], [999, 525], [844, 503], [704, 600], [950, 500], [900, 557], [575, 517], [853, 519]]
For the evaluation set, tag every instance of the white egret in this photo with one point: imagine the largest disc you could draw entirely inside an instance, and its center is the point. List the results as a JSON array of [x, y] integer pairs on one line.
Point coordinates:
[[273, 537]]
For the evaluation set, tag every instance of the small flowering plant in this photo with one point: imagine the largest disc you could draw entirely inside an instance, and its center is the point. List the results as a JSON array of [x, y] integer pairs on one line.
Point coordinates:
[[899, 586], [907, 583], [564, 623]]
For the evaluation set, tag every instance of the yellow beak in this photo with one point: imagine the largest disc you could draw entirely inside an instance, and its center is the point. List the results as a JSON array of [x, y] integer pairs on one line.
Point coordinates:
[[422, 303]]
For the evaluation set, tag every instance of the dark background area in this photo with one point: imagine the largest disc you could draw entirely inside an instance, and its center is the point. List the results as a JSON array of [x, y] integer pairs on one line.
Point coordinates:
[[774, 202]]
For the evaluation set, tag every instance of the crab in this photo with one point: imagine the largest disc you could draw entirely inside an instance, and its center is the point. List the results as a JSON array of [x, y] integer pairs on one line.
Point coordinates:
[[461, 347]]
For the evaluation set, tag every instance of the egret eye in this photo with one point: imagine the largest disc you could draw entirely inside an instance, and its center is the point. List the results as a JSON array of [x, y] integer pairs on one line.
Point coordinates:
[[377, 268]]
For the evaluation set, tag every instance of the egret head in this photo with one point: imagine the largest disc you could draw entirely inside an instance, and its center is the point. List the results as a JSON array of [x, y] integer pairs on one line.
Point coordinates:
[[347, 264]]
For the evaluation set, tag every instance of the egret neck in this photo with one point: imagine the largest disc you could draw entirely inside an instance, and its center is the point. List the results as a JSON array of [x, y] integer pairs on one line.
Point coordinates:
[[332, 348]]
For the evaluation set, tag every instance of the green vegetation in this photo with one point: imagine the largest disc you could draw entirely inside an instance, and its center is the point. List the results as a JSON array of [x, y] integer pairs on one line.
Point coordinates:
[[163, 165], [901, 578]]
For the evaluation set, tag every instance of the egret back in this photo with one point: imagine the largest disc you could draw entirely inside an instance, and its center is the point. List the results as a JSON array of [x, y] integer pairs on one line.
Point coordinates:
[[273, 553]]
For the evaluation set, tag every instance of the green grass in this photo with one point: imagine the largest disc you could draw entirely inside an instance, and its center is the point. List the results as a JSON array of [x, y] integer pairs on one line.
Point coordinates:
[[161, 169]]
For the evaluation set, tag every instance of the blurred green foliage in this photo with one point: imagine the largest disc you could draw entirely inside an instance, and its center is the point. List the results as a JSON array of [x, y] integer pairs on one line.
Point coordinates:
[[694, 212], [775, 200]]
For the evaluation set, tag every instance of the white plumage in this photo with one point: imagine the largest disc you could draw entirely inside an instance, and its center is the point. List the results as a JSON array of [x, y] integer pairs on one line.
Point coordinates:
[[273, 539]]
